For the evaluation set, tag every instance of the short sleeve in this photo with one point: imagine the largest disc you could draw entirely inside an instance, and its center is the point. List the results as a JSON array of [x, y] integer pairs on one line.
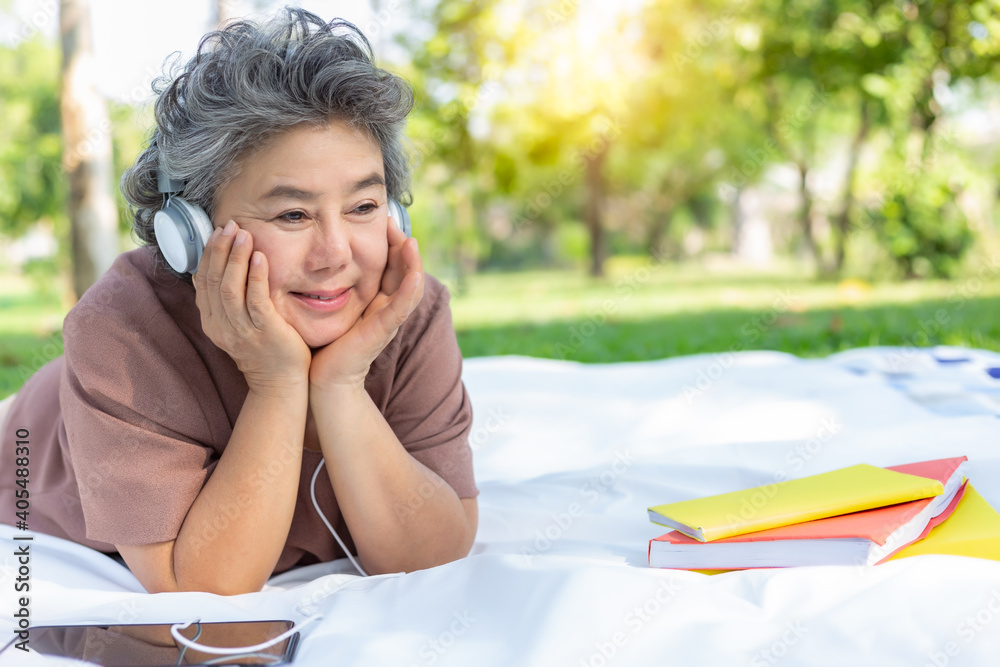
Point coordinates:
[[428, 406], [135, 427]]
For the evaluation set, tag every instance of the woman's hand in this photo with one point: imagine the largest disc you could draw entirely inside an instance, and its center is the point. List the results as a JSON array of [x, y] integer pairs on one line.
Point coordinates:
[[237, 313], [346, 361]]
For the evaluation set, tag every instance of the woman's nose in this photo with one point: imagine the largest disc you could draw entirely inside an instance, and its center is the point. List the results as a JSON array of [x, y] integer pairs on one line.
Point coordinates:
[[330, 245]]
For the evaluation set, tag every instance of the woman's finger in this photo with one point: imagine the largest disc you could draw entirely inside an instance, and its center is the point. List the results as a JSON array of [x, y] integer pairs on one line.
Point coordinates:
[[402, 260], [259, 304], [401, 303], [198, 279], [217, 267], [234, 281], [412, 258], [395, 268]]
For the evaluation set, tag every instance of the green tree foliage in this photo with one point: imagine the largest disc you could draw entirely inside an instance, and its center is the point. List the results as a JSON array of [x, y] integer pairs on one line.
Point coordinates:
[[688, 126], [540, 141], [32, 183], [943, 42], [454, 73], [880, 67], [554, 130]]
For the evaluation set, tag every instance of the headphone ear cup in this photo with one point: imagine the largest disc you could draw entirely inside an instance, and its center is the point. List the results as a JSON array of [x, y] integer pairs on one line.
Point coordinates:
[[399, 216], [182, 231]]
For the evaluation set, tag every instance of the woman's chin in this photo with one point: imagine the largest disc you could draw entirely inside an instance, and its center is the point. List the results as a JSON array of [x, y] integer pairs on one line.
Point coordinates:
[[320, 333], [316, 343], [319, 339]]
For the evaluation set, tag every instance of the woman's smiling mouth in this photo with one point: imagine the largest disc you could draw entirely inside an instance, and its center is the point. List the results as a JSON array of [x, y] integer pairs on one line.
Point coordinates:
[[324, 301]]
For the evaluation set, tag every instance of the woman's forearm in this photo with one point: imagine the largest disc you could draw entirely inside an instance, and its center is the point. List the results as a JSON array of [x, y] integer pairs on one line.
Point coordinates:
[[402, 516], [236, 529]]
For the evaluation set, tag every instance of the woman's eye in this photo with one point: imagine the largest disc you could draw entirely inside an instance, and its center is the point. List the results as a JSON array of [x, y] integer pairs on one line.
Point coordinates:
[[293, 216], [365, 209]]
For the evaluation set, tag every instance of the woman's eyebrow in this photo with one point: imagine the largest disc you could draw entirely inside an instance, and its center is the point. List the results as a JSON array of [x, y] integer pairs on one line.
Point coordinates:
[[373, 179], [292, 192]]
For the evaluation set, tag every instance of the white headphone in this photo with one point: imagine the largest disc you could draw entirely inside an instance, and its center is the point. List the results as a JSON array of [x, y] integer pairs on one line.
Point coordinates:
[[182, 229]]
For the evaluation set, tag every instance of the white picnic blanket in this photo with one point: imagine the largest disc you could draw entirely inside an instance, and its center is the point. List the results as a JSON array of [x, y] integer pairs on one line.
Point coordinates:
[[568, 457]]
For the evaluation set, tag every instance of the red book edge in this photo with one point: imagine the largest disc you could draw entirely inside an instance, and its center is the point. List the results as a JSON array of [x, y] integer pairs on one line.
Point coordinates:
[[934, 522]]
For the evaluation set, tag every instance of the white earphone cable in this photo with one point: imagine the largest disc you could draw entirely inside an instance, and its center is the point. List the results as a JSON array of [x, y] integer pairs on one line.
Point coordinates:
[[312, 493], [175, 631], [245, 650]]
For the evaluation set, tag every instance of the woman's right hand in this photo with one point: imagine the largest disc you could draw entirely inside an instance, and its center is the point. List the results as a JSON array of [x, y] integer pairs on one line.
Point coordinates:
[[237, 314]]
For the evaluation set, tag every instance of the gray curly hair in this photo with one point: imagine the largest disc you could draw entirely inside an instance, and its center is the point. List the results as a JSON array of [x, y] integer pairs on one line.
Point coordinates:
[[250, 82]]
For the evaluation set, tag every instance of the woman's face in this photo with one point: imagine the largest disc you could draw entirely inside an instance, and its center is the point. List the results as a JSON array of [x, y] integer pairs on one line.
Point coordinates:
[[314, 200]]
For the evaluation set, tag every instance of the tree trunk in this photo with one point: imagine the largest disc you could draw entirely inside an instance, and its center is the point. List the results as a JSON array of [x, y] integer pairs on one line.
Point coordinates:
[[662, 217], [843, 220], [593, 214], [465, 228], [87, 152], [737, 220], [805, 216]]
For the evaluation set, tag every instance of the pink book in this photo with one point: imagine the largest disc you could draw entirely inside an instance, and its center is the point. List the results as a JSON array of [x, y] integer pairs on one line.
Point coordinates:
[[859, 538]]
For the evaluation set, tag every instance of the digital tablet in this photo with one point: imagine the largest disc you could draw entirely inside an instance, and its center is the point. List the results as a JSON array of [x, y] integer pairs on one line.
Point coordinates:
[[148, 645]]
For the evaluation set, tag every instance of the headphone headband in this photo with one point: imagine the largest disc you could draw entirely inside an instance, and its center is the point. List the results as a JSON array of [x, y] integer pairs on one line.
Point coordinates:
[[167, 185]]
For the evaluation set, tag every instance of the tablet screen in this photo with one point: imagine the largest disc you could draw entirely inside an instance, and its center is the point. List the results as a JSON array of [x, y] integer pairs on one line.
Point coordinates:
[[153, 645]]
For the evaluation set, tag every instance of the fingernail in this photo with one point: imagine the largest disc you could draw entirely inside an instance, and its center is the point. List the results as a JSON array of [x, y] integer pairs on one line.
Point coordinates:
[[416, 244], [240, 238], [230, 228]]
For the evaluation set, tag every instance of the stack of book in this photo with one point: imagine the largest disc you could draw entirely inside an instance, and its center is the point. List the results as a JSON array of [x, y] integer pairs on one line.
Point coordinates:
[[861, 515]]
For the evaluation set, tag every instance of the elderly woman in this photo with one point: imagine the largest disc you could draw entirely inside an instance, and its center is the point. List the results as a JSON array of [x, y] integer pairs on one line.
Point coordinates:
[[305, 385]]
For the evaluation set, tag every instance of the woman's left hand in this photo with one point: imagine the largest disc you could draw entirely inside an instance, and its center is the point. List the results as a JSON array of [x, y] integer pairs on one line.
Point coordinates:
[[345, 361]]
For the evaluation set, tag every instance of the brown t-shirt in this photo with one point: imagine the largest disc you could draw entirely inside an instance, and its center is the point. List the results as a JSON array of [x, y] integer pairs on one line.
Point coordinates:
[[127, 426]]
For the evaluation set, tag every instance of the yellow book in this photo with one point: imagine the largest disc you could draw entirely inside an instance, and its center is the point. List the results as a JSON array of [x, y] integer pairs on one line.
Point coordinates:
[[973, 529], [853, 489]]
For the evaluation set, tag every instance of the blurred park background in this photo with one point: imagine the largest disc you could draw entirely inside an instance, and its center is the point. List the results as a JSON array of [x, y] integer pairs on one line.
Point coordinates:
[[596, 181]]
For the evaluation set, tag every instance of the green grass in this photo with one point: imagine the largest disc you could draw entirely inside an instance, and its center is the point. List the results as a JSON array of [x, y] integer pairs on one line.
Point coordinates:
[[639, 311], [30, 332], [643, 311]]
